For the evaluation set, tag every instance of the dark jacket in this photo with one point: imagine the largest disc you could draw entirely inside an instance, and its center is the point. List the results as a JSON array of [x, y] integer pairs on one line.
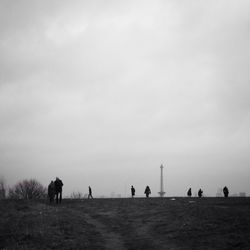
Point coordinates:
[[147, 190], [58, 185], [51, 189], [133, 191]]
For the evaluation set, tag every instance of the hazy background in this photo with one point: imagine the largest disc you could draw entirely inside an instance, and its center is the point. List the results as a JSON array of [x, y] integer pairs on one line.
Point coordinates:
[[102, 93]]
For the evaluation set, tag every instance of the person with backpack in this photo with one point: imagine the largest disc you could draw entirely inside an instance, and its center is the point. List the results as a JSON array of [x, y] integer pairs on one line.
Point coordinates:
[[200, 192], [147, 191]]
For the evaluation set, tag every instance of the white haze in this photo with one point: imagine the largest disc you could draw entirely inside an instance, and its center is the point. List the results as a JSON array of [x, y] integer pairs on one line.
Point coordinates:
[[102, 93]]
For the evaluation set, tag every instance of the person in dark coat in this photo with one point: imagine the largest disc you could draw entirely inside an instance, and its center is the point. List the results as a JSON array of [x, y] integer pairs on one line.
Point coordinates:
[[58, 190], [189, 192], [90, 193], [225, 191], [147, 191], [200, 192], [132, 191], [51, 191]]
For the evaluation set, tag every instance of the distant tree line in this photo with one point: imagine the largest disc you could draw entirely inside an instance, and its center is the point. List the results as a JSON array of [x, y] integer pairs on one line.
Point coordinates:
[[25, 189]]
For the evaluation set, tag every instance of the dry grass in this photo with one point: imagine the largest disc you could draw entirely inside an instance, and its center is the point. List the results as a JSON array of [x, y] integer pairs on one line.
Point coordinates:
[[184, 223]]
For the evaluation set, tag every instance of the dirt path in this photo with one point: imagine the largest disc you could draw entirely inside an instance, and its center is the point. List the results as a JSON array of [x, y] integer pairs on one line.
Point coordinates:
[[112, 239]]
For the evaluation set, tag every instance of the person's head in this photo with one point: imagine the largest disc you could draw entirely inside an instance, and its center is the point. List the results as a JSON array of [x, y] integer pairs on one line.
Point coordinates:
[[57, 178]]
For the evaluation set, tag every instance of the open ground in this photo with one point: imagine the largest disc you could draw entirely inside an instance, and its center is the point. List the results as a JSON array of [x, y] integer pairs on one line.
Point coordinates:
[[154, 223]]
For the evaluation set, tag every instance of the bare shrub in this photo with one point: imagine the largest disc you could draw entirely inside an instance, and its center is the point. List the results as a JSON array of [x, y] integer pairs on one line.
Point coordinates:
[[3, 188], [28, 189], [76, 195]]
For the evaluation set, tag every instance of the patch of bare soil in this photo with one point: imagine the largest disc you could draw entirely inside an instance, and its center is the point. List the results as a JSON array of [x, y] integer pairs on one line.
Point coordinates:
[[112, 240]]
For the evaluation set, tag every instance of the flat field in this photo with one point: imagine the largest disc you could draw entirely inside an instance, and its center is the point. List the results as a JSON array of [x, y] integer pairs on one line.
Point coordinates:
[[154, 223]]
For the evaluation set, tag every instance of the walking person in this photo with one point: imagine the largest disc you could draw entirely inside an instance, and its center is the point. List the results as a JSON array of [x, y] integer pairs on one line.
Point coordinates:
[[58, 190], [189, 192], [90, 193], [132, 191], [147, 191], [51, 192]]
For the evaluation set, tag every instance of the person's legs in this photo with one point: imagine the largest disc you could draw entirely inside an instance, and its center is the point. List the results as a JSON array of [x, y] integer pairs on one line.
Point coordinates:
[[56, 197], [60, 196]]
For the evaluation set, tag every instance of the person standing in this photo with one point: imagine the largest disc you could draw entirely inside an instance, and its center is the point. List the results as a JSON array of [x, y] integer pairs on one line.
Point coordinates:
[[90, 193], [132, 191], [147, 191], [58, 190], [189, 192], [51, 192], [225, 191]]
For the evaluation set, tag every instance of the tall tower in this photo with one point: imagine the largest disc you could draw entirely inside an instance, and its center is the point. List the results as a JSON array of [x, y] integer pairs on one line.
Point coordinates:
[[161, 193]]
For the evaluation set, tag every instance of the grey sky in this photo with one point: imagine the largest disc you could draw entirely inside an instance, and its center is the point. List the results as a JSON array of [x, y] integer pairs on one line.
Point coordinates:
[[102, 93]]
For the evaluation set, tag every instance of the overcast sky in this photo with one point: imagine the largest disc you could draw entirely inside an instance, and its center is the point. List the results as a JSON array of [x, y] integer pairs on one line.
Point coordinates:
[[102, 93]]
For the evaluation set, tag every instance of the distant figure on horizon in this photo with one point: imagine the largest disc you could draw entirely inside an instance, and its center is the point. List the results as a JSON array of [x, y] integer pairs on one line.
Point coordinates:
[[132, 191], [225, 191], [189, 192], [200, 192], [51, 191], [58, 189], [147, 191], [90, 193]]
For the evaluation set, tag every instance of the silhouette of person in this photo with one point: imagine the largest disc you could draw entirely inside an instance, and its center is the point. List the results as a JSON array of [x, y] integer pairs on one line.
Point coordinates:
[[189, 192], [90, 193], [147, 191], [58, 190], [51, 191], [225, 191], [132, 191], [200, 192]]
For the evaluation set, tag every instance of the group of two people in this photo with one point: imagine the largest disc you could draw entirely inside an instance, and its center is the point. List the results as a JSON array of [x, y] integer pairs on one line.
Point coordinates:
[[200, 192], [189, 192], [147, 191], [55, 190]]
